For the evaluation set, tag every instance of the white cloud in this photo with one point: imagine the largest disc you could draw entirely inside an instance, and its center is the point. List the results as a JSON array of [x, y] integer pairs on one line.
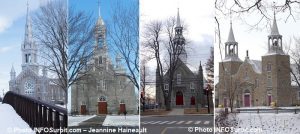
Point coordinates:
[[10, 11], [7, 48]]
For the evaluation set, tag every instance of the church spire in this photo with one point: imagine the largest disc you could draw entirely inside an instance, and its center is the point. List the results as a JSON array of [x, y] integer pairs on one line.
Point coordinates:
[[179, 39], [274, 30], [12, 73], [29, 49], [275, 39], [28, 29], [231, 46], [231, 35], [100, 31], [178, 24], [99, 14]]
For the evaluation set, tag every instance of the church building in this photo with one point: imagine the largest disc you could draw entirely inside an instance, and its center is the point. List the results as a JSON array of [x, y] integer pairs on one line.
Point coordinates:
[[105, 89], [188, 86], [33, 80], [251, 83]]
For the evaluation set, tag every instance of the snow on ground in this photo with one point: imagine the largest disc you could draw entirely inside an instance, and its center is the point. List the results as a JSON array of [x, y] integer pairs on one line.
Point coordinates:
[[115, 120], [75, 120], [266, 107], [11, 122], [270, 123]]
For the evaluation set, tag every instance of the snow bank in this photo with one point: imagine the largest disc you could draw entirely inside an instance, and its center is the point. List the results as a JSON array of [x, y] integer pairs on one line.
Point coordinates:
[[114, 120], [11, 122]]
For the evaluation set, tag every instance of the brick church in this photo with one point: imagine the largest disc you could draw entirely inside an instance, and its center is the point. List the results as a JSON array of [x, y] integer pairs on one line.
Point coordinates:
[[256, 83]]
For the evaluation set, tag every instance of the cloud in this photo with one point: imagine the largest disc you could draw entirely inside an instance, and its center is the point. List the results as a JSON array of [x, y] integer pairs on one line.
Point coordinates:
[[10, 11], [7, 48]]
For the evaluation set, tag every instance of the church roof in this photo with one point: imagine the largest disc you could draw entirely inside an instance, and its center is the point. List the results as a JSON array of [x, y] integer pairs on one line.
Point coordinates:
[[256, 65], [232, 58]]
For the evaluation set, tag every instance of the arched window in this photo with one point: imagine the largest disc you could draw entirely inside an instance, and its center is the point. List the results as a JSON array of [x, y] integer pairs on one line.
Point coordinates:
[[102, 98]]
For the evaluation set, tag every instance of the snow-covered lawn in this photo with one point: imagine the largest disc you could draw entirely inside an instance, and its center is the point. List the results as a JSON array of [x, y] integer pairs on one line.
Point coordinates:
[[75, 120], [116, 120], [267, 107], [270, 123], [11, 122]]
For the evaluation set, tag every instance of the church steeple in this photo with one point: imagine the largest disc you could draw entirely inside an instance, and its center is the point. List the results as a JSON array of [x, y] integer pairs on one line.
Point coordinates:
[[179, 40], [100, 31], [275, 39], [231, 46], [29, 49], [28, 31], [178, 24], [12, 73]]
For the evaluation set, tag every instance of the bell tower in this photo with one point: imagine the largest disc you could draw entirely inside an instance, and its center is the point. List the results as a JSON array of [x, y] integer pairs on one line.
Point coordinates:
[[228, 67], [275, 40], [276, 70], [179, 40], [29, 48]]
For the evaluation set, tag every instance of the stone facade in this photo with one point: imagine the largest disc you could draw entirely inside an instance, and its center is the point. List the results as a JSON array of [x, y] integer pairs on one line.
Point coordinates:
[[256, 83], [187, 90], [106, 88]]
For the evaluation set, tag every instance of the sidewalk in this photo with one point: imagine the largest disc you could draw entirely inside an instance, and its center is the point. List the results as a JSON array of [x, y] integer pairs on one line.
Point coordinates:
[[176, 111]]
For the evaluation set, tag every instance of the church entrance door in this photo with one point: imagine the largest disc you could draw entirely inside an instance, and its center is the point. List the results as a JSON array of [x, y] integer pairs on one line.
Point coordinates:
[[269, 100], [179, 98], [225, 102], [247, 100], [193, 100]]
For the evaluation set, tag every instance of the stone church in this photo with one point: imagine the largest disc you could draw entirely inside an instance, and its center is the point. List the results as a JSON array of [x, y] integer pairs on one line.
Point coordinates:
[[256, 83], [33, 80], [105, 89], [188, 85]]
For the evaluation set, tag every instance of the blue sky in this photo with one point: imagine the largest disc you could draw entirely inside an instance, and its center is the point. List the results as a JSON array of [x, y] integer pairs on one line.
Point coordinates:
[[12, 30], [91, 7]]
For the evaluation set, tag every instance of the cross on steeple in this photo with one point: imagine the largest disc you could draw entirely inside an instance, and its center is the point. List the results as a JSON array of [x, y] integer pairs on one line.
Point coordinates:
[[99, 14], [274, 7]]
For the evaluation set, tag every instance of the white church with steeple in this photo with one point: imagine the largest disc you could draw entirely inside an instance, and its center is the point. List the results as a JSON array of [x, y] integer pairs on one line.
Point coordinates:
[[262, 82], [33, 80]]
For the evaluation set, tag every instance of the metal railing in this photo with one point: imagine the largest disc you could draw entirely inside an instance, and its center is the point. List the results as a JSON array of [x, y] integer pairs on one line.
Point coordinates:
[[36, 112], [266, 110]]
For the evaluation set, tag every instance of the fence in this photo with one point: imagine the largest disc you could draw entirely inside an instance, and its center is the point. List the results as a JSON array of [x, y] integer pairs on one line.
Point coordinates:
[[37, 113]]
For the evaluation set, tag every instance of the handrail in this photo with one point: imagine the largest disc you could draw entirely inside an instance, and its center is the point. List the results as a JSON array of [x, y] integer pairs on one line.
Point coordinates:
[[37, 113]]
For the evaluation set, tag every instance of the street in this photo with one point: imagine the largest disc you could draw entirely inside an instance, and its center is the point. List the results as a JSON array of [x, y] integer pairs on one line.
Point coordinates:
[[96, 123], [179, 124]]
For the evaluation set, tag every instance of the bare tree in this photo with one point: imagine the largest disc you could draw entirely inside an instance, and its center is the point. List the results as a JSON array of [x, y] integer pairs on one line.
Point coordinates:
[[263, 12], [158, 37], [209, 67], [123, 33], [295, 56], [64, 41], [143, 83]]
